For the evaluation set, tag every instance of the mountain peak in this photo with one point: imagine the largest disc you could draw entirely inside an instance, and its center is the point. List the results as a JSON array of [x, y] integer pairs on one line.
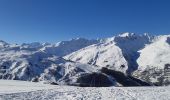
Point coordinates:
[[127, 34], [3, 43]]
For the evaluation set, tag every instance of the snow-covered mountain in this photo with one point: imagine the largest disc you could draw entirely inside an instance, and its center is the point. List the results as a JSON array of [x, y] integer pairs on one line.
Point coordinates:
[[157, 54], [131, 54], [40, 62], [154, 61], [103, 55], [139, 55], [66, 47], [119, 52]]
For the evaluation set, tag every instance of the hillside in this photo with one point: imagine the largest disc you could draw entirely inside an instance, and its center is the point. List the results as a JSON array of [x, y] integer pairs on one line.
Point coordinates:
[[140, 55]]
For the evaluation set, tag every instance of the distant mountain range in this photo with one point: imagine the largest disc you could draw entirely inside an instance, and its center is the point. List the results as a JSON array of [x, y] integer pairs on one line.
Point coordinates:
[[138, 56]]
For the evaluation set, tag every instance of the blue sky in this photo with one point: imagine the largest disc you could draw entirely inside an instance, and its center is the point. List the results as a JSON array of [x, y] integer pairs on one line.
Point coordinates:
[[57, 20]]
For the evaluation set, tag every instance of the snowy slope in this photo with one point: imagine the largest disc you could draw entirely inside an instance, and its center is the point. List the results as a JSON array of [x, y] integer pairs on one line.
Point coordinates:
[[154, 60], [66, 47], [126, 52], [143, 56], [38, 67], [156, 54], [102, 55], [118, 52], [36, 62], [12, 86], [130, 44], [17, 90]]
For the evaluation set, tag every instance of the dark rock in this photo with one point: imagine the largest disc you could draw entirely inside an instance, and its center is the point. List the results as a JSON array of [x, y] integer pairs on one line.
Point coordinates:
[[94, 80], [54, 83], [123, 79]]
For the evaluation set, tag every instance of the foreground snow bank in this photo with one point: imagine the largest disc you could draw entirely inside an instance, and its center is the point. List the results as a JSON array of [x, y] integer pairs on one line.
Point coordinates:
[[19, 90], [11, 86]]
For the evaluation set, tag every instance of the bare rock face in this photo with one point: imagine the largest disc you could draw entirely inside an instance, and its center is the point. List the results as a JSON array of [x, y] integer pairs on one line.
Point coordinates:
[[95, 80]]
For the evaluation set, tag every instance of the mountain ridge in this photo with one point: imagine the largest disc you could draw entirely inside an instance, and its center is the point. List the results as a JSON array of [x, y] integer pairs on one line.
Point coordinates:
[[128, 53]]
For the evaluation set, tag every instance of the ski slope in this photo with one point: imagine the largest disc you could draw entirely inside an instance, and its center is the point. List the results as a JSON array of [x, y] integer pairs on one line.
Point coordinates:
[[20, 90]]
